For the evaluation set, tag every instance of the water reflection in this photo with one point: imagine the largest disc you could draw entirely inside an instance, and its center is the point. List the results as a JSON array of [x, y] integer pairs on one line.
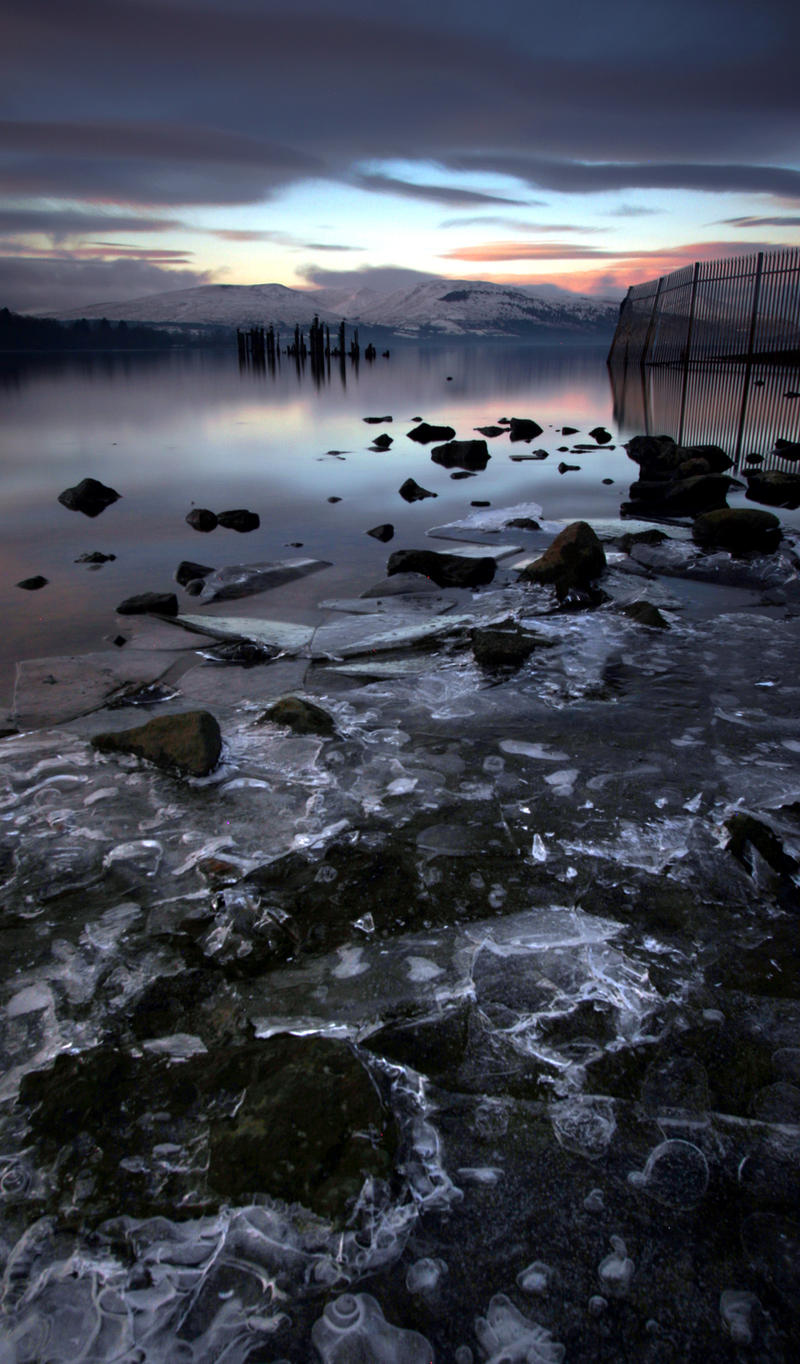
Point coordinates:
[[742, 407]]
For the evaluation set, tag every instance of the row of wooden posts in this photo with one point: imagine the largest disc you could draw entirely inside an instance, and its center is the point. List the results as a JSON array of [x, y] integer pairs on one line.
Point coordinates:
[[262, 345]]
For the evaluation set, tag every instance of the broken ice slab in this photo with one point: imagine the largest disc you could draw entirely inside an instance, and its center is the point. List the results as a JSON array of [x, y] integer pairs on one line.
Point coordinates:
[[242, 580], [280, 633], [345, 638], [49, 691], [431, 603], [378, 669], [479, 549], [149, 633], [216, 687], [488, 521]]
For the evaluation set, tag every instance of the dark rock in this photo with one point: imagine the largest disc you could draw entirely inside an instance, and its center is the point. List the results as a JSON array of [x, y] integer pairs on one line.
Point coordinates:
[[681, 496], [435, 1047], [119, 640], [645, 613], [189, 742], [240, 519], [462, 473], [568, 468], [491, 430], [382, 442], [411, 491], [787, 449], [523, 523], [692, 468], [640, 537], [480, 504], [600, 434], [424, 433], [200, 518], [754, 459], [532, 455], [573, 560], [522, 428], [377, 421], [95, 557], [33, 584], [774, 489], [384, 532], [446, 570], [569, 430], [299, 1119], [748, 833], [304, 717], [738, 530], [159, 603], [504, 644], [607, 480], [462, 454], [187, 572], [334, 499], [714, 456], [89, 496]]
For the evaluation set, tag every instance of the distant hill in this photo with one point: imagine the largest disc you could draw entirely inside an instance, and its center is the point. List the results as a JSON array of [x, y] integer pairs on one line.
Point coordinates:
[[435, 308]]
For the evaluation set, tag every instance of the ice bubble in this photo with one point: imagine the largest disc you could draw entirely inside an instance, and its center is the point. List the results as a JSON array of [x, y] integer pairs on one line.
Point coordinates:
[[424, 1275], [463, 1355], [494, 763], [597, 1305], [736, 1308], [616, 1270], [676, 1174], [142, 855], [585, 1126], [366, 923], [420, 969], [353, 1327], [508, 1337], [593, 1202], [537, 1278], [538, 850], [496, 897]]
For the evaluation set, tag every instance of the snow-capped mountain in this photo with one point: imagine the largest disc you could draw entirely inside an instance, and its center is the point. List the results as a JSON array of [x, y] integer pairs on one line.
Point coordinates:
[[436, 307]]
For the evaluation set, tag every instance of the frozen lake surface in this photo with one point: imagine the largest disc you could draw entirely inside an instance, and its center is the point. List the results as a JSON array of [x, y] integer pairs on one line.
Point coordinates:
[[464, 1028]]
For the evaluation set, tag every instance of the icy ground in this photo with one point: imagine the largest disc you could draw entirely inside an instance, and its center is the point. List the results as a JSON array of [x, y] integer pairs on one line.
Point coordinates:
[[514, 893]]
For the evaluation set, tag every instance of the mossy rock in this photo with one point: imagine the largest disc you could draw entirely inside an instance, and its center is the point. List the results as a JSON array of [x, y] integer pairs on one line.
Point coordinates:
[[189, 743], [740, 530], [574, 559], [304, 717], [645, 613]]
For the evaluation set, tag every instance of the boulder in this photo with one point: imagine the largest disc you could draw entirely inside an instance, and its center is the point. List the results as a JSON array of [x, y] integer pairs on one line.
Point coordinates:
[[446, 570], [505, 644], [384, 532], [200, 518], [304, 717], [89, 496], [425, 433], [738, 530], [680, 496], [240, 519], [411, 491], [157, 603], [462, 454], [522, 428], [572, 561], [523, 523], [774, 489], [382, 442], [645, 613], [600, 434], [627, 541], [714, 456], [189, 742], [569, 430]]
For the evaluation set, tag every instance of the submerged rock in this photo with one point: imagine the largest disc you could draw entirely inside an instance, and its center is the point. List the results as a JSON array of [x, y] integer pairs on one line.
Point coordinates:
[[95, 557], [679, 496], [187, 572], [411, 491], [33, 584], [200, 518], [446, 570], [645, 613], [295, 1118], [159, 603], [89, 496], [304, 717], [775, 489], [240, 520], [462, 454], [573, 561], [425, 433], [503, 644], [189, 742], [738, 530], [491, 430]]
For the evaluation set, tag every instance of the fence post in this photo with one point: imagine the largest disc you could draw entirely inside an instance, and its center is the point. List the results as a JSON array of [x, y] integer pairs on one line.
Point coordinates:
[[688, 352], [652, 323], [749, 361]]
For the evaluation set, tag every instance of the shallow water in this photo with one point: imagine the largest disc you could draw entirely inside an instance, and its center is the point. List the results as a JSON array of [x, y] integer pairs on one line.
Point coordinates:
[[513, 895]]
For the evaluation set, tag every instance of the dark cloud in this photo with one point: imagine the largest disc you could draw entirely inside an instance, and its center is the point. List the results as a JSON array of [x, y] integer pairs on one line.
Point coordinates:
[[514, 226], [780, 221], [60, 224], [633, 211], [690, 251], [578, 177], [441, 194], [59, 284], [382, 278]]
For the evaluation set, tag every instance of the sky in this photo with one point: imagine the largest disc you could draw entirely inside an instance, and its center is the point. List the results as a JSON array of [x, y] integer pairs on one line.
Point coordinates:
[[148, 145]]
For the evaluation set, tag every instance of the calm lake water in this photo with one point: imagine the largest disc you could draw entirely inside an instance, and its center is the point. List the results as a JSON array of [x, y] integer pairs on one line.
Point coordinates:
[[463, 1030], [175, 431]]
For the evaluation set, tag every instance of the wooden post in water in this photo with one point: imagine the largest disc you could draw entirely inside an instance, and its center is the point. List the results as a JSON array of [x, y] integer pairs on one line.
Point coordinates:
[[749, 362]]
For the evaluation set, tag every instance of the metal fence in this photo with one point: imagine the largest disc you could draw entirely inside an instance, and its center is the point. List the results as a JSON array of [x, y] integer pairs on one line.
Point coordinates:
[[744, 308]]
